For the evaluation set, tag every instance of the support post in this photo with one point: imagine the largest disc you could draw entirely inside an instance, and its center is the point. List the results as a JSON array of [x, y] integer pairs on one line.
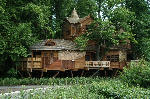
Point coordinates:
[[71, 74], [56, 74], [82, 73], [32, 61], [41, 73], [29, 74]]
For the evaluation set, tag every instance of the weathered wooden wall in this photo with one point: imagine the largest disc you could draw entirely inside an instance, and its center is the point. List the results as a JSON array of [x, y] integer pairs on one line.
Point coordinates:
[[71, 30], [117, 58], [72, 59], [56, 60]]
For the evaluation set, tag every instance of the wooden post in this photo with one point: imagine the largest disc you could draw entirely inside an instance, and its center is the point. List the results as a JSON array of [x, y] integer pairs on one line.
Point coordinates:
[[71, 73], [41, 73], [105, 73], [82, 73], [41, 60], [32, 61], [20, 74], [56, 74], [95, 72], [29, 74]]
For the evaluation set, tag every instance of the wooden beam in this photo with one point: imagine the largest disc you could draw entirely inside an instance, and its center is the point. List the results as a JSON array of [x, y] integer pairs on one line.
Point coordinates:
[[32, 61], [56, 74], [71, 73], [82, 73], [41, 73], [29, 73]]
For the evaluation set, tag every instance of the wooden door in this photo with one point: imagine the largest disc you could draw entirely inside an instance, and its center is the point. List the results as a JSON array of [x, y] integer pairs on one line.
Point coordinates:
[[47, 59]]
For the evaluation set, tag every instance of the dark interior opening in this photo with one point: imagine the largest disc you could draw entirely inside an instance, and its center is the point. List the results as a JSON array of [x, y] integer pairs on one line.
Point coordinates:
[[90, 56], [35, 54], [129, 57]]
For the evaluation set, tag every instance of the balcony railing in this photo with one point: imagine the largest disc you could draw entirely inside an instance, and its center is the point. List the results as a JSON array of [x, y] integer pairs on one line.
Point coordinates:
[[97, 64]]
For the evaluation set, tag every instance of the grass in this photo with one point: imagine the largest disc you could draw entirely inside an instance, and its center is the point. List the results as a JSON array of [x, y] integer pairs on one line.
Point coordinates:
[[96, 88], [47, 81]]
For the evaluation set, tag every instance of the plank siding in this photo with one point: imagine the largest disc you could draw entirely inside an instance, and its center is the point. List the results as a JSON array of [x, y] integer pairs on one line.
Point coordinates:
[[68, 64]]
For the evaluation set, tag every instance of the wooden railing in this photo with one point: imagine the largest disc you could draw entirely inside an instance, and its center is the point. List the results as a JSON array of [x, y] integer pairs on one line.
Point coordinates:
[[97, 64], [27, 63]]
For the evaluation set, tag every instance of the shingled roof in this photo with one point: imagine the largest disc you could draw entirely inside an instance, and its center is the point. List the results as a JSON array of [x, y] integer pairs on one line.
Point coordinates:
[[60, 44], [75, 18]]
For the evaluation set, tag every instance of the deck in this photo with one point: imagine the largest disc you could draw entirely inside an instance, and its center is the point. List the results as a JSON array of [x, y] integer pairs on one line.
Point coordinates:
[[36, 63], [97, 64]]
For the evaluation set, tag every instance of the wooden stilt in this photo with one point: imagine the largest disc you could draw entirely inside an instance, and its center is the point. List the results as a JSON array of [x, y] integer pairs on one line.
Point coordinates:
[[41, 73], [29, 74], [20, 74], [82, 73], [56, 74], [116, 71], [95, 73], [105, 73], [71, 73]]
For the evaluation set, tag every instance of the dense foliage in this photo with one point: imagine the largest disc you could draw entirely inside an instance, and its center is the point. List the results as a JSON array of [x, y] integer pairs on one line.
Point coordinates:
[[24, 22], [137, 74]]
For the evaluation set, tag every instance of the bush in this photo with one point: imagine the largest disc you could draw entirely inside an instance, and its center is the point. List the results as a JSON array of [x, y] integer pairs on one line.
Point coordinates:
[[115, 89], [137, 74], [12, 73]]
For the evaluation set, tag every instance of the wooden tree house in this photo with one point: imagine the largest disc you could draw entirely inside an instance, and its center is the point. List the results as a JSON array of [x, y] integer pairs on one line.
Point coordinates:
[[62, 54]]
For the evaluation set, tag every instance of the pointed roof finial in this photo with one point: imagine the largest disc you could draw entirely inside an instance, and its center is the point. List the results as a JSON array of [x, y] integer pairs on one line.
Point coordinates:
[[74, 14]]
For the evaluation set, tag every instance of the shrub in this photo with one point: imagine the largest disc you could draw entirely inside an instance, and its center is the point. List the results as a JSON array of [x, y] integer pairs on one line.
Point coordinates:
[[12, 73], [115, 89], [137, 74]]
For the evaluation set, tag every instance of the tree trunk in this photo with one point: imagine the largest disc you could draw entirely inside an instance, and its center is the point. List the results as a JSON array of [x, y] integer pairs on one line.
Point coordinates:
[[98, 52]]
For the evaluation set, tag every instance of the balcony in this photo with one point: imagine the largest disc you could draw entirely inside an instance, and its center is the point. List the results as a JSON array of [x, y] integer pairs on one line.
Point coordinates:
[[97, 64]]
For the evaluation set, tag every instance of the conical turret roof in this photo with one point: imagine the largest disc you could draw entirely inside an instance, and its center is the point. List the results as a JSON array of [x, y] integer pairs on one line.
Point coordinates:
[[74, 14], [75, 18]]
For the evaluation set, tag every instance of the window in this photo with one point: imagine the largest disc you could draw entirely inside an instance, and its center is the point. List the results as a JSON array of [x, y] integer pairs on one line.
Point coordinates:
[[87, 57], [36, 54], [113, 58]]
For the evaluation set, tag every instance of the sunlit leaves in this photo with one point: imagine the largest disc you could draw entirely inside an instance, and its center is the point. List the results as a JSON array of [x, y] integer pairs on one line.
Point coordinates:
[[82, 42]]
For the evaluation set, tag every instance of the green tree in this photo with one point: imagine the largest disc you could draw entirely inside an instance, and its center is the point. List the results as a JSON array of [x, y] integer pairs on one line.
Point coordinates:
[[141, 26], [60, 10], [18, 32], [86, 7], [39, 17], [105, 31]]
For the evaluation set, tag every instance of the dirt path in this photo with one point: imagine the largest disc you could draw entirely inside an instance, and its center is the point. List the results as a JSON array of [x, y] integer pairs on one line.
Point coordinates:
[[8, 89], [14, 92]]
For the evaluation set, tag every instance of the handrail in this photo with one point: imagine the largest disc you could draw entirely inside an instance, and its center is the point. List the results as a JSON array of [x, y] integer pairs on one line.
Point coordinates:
[[97, 63]]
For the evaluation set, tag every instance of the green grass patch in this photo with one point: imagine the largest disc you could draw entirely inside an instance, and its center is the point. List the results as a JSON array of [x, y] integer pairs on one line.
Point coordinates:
[[102, 89], [48, 81]]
